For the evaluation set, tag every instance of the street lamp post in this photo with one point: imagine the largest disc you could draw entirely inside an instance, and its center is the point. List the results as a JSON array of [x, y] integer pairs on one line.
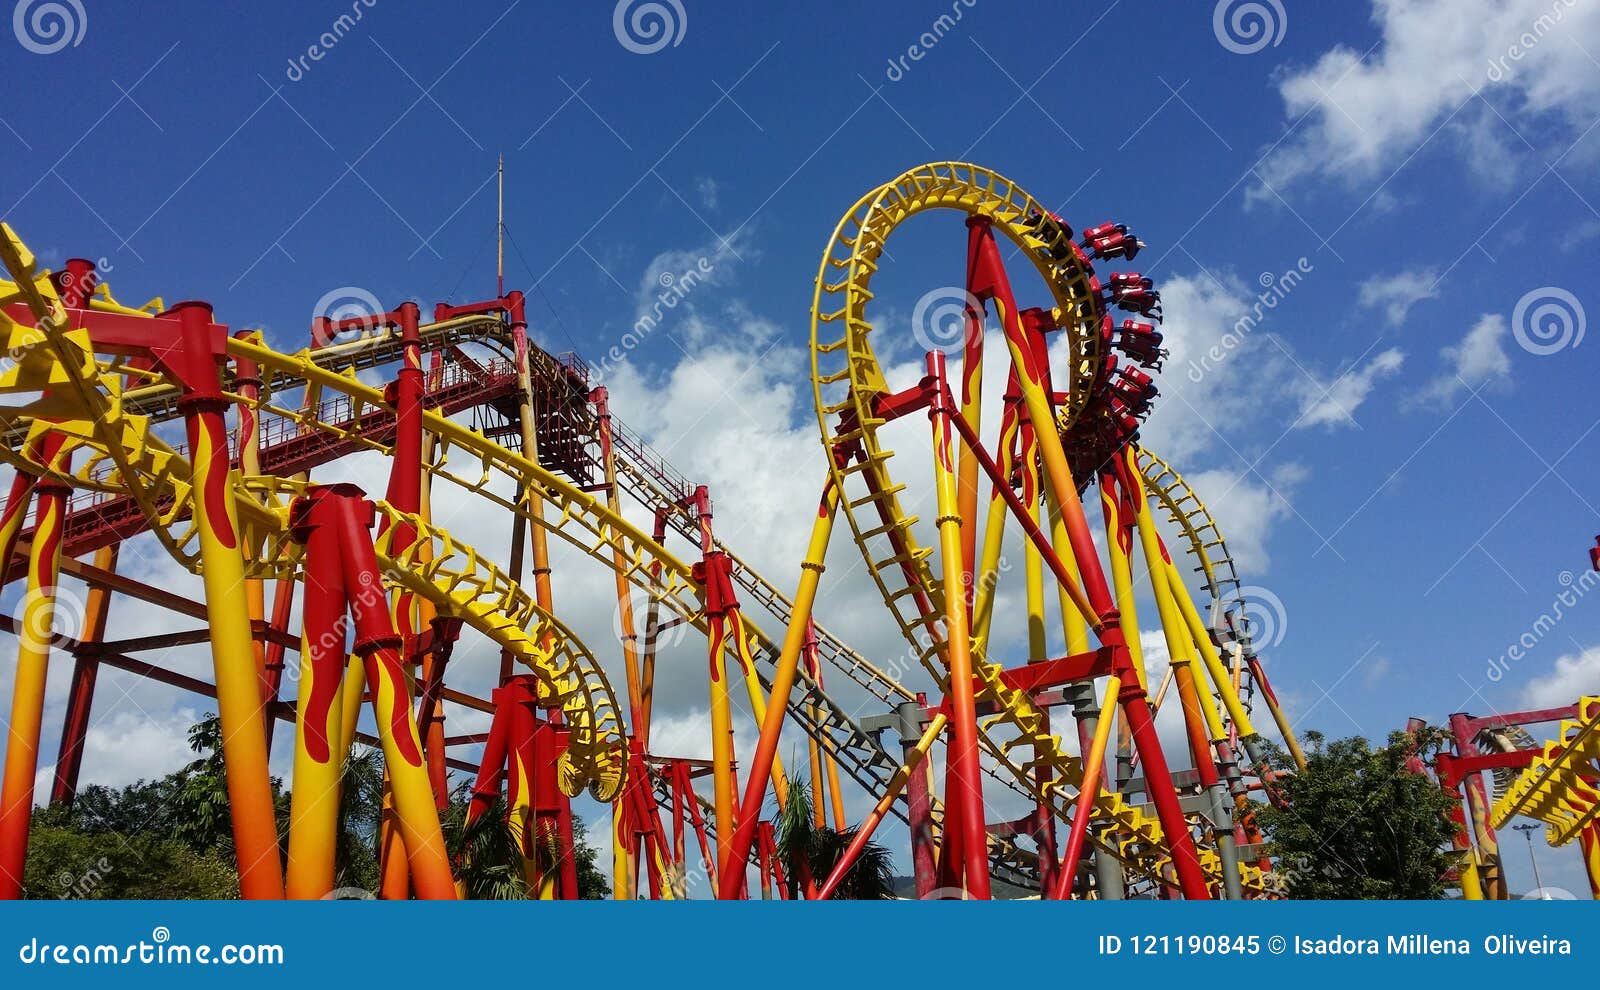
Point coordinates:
[[1527, 831]]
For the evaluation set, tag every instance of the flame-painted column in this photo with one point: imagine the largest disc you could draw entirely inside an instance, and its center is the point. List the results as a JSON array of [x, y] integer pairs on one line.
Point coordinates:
[[722, 607], [1478, 802], [963, 777], [247, 383], [722, 789], [1201, 721], [625, 843], [33, 662], [405, 393], [319, 750], [378, 646], [1589, 844], [12, 518], [992, 283], [238, 680]]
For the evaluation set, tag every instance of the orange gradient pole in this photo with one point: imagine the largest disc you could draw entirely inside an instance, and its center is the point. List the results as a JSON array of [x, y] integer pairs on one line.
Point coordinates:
[[238, 680], [1093, 768], [891, 793], [963, 780], [969, 405], [247, 383], [27, 698], [378, 645], [624, 847], [320, 742], [783, 679], [85, 672]]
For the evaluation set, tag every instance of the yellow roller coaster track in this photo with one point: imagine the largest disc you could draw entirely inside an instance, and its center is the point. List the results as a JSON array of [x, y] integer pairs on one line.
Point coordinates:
[[458, 581], [333, 369], [125, 457], [1557, 788], [1213, 562], [847, 377]]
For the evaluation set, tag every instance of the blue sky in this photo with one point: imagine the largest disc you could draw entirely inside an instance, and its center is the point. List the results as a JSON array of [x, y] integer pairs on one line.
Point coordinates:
[[1398, 449]]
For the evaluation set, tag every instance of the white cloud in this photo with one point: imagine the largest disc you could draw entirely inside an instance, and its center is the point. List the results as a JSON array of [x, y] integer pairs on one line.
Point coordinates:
[[1581, 234], [708, 191], [1396, 294], [1227, 368], [1247, 509], [1479, 359], [1334, 404], [1574, 676], [1212, 381], [130, 745], [1220, 385], [1366, 112], [672, 278]]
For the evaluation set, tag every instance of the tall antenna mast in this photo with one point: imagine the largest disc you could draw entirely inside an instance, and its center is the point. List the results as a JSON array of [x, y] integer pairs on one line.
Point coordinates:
[[500, 233]]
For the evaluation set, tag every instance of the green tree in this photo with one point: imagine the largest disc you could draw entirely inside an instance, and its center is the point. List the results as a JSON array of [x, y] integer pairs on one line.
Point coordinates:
[[173, 837], [144, 806], [488, 857], [592, 882], [198, 794], [107, 865], [802, 847], [486, 853], [1359, 824], [165, 838]]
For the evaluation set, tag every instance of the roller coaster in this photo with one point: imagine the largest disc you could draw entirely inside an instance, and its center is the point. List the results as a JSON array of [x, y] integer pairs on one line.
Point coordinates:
[[159, 420]]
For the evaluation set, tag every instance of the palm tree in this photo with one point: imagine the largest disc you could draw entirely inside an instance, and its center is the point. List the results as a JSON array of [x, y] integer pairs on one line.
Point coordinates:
[[808, 851], [360, 813], [486, 851]]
